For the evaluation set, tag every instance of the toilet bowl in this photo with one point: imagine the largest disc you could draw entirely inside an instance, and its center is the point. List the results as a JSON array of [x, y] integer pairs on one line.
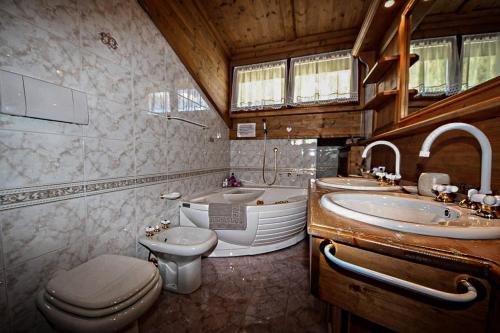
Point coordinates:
[[106, 294], [179, 251]]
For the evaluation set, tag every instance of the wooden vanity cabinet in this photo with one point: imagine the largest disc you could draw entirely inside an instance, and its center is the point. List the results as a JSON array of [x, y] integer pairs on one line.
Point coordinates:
[[392, 307]]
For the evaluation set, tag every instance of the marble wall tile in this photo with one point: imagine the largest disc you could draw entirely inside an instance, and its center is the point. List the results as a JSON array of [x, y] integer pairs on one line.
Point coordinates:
[[111, 223], [111, 16], [108, 119], [29, 159], [60, 17], [25, 280], [38, 230], [149, 60], [108, 158], [150, 208], [28, 50], [144, 91], [104, 78], [150, 157], [150, 128]]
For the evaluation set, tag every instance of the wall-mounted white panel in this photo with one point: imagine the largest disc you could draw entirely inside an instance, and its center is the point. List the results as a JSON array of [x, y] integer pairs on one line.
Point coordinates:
[[12, 94], [48, 101], [80, 108]]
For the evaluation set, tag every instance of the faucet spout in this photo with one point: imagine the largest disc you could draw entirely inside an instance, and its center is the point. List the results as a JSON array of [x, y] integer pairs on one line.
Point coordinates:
[[385, 143], [483, 142]]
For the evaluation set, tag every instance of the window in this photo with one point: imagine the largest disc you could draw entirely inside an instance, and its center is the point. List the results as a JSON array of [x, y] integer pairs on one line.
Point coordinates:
[[480, 59], [435, 72], [190, 100], [323, 78], [159, 102], [259, 86]]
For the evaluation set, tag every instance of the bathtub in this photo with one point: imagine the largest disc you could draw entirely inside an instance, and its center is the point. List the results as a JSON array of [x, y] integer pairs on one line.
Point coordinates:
[[271, 226]]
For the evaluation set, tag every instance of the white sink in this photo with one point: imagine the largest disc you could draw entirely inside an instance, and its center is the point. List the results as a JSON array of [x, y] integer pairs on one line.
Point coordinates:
[[356, 184], [408, 214]]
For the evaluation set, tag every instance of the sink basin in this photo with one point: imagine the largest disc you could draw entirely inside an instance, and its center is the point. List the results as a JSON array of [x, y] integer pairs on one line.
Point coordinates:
[[409, 214], [356, 184]]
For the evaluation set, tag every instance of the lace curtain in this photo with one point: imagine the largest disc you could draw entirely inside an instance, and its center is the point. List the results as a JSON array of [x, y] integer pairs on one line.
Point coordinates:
[[259, 86], [480, 59], [436, 71], [323, 78]]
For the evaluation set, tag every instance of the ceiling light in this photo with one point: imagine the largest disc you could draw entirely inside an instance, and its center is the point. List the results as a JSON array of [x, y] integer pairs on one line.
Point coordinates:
[[389, 3]]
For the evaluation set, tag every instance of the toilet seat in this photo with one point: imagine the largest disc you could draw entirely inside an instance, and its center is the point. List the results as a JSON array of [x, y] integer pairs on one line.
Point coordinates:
[[92, 313], [105, 294], [101, 282], [112, 323]]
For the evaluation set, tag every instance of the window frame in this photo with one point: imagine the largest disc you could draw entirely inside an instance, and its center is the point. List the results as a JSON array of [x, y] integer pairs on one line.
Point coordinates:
[[234, 90]]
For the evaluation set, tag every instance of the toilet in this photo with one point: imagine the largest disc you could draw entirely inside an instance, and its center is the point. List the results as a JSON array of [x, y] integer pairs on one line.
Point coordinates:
[[179, 251], [105, 294]]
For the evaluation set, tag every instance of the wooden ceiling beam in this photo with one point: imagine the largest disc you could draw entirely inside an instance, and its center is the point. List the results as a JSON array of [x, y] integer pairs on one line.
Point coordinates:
[[288, 18], [365, 27]]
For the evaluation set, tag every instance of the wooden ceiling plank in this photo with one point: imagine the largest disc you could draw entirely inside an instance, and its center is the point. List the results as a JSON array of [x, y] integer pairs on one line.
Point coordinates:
[[288, 19]]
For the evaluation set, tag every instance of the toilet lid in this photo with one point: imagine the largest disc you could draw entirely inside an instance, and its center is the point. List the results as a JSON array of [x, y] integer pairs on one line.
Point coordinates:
[[94, 313], [102, 282]]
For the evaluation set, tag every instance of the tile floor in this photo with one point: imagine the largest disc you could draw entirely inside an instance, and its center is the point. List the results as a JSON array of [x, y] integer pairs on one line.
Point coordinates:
[[264, 293]]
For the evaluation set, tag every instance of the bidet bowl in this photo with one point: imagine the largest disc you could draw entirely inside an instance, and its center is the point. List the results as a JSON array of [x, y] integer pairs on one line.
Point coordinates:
[[181, 241]]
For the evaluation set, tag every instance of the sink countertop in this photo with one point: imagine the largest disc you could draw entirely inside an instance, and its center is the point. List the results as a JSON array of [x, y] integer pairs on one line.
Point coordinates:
[[476, 257]]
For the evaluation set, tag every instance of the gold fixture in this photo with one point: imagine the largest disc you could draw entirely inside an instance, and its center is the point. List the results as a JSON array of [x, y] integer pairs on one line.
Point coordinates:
[[469, 204], [150, 231], [260, 202], [489, 212], [445, 197]]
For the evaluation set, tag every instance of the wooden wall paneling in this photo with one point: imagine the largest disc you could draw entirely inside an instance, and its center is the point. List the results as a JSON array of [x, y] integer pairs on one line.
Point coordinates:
[[328, 125], [187, 32], [456, 153], [404, 33]]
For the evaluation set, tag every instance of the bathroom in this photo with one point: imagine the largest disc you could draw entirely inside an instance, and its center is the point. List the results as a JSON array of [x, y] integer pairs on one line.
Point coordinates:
[[125, 124]]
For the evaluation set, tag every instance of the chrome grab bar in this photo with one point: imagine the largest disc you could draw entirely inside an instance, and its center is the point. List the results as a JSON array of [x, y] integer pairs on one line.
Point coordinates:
[[468, 296]]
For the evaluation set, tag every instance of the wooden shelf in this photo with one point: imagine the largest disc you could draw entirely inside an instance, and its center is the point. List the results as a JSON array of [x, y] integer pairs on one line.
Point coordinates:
[[428, 98], [382, 66], [384, 97]]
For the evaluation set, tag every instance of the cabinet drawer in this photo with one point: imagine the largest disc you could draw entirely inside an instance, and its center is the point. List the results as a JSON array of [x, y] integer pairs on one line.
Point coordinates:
[[396, 308]]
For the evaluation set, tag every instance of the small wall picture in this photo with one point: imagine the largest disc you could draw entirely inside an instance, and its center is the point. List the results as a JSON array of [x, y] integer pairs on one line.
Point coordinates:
[[246, 130]]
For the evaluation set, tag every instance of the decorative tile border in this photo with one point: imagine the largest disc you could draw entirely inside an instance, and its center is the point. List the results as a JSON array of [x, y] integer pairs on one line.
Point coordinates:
[[14, 198], [253, 169]]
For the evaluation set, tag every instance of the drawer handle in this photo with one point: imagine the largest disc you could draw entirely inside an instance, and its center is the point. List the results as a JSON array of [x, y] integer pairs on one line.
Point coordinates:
[[468, 296]]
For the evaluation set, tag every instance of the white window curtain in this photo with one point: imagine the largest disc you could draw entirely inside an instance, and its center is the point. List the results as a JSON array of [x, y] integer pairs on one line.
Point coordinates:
[[323, 78], [259, 86], [436, 71], [480, 59]]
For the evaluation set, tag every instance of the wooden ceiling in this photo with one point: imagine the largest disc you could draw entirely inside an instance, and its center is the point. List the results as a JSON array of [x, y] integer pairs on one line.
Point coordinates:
[[270, 29], [451, 17]]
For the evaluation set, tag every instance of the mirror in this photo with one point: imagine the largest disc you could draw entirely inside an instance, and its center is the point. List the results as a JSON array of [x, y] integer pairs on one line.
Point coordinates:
[[458, 47]]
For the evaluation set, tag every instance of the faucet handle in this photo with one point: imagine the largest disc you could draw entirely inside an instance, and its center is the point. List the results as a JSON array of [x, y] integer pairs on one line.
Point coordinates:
[[486, 199], [446, 192], [445, 188]]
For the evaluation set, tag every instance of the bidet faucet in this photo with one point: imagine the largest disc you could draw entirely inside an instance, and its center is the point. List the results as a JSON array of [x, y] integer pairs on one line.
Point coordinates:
[[396, 151], [483, 141]]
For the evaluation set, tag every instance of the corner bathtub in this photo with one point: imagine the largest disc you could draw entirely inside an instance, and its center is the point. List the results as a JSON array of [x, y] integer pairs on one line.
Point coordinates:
[[271, 226]]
